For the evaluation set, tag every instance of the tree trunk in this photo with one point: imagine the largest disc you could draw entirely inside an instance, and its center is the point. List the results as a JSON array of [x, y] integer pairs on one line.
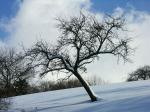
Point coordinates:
[[86, 86]]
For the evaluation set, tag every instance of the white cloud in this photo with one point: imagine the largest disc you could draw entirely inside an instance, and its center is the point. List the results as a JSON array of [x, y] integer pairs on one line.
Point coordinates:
[[138, 24], [2, 44], [35, 19]]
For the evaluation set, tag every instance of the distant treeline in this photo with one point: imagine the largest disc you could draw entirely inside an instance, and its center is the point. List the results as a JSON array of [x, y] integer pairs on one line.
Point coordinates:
[[23, 87]]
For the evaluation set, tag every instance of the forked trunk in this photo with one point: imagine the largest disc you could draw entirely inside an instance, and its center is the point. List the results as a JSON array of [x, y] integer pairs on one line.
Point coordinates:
[[86, 86]]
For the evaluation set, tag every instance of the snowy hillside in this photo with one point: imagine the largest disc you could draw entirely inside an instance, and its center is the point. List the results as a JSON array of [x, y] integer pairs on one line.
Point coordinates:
[[121, 97]]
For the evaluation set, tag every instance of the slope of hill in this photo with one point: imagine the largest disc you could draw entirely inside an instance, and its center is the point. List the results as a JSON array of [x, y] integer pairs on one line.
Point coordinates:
[[121, 97]]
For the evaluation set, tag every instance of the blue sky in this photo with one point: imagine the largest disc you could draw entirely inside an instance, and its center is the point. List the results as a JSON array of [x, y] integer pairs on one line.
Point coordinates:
[[107, 6], [8, 8]]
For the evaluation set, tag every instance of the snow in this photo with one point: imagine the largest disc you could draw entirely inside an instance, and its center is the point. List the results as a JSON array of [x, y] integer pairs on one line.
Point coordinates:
[[121, 97]]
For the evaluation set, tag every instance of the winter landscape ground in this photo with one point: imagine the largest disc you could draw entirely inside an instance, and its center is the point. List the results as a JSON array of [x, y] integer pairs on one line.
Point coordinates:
[[120, 97]]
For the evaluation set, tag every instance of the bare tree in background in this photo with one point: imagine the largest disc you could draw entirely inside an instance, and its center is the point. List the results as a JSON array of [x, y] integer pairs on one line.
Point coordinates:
[[13, 68], [142, 73], [83, 39]]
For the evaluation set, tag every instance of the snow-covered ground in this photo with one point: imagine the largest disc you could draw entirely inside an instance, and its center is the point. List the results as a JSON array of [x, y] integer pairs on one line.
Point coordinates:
[[121, 97]]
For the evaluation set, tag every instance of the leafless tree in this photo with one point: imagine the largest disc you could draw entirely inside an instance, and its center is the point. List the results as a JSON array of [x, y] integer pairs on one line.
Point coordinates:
[[83, 39], [13, 67], [142, 73]]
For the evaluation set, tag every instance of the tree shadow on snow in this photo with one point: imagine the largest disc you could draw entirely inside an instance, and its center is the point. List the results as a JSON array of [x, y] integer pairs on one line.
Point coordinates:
[[136, 104], [52, 107]]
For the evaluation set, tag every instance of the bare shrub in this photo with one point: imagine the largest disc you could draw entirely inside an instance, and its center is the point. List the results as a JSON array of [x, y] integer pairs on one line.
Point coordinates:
[[95, 80], [69, 83]]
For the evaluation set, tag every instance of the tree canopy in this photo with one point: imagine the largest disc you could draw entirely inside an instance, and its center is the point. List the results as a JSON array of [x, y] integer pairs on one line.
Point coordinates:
[[83, 39], [142, 73]]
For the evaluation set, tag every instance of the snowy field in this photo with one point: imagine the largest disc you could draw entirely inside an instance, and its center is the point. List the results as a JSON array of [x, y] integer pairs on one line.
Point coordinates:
[[121, 97]]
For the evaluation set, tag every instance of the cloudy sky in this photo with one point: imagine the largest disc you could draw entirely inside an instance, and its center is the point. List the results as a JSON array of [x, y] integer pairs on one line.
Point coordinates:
[[25, 21]]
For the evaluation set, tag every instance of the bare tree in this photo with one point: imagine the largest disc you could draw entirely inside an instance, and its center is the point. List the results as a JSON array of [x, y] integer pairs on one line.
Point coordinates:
[[83, 39], [142, 73], [13, 67]]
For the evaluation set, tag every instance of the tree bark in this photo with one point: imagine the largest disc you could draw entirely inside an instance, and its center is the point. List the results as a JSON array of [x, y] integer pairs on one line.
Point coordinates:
[[86, 86]]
